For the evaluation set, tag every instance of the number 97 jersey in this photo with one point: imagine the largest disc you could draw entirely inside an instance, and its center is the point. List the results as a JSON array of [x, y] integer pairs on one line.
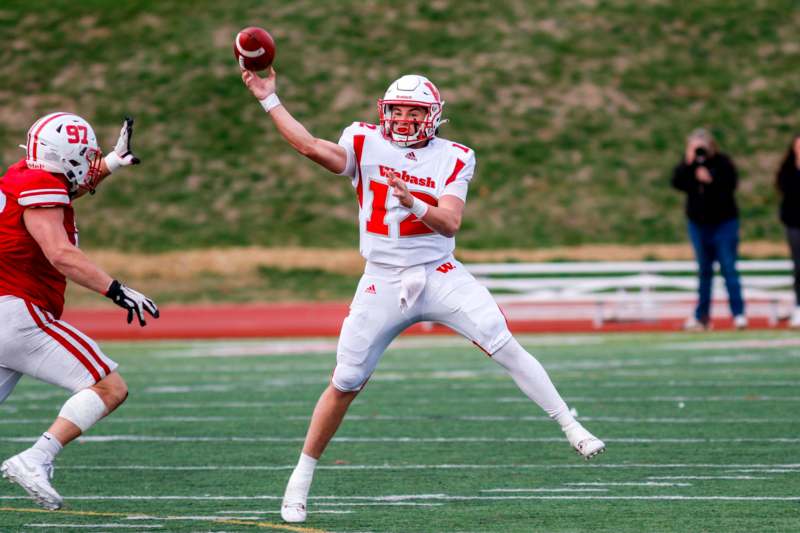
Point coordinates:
[[389, 233]]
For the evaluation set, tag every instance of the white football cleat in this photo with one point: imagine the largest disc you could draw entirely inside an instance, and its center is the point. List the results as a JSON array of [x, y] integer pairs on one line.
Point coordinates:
[[293, 512], [740, 322], [33, 472], [586, 444], [293, 507]]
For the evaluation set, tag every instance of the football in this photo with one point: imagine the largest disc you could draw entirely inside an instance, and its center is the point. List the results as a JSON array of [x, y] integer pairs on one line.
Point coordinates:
[[254, 48]]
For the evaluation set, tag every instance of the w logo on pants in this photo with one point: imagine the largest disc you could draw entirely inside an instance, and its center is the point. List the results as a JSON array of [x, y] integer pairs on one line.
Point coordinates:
[[444, 268]]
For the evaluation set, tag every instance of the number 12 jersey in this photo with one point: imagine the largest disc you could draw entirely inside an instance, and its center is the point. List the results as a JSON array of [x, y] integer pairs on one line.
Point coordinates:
[[389, 233]]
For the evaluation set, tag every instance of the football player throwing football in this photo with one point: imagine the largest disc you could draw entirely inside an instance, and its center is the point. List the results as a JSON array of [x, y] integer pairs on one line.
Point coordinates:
[[411, 186]]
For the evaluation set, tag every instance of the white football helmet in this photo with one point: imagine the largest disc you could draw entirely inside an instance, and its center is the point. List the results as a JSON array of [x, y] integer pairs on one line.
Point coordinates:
[[414, 90], [64, 143]]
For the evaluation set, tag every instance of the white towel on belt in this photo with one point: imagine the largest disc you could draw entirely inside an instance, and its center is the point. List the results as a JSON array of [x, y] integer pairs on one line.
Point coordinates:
[[412, 282]]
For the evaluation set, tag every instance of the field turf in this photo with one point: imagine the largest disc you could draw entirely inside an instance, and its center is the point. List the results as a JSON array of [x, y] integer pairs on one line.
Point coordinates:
[[701, 431]]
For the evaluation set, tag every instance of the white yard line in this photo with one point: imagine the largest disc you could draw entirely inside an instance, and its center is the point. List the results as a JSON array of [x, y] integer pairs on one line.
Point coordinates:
[[751, 397], [127, 420], [556, 489], [416, 497], [379, 504], [610, 419], [724, 466], [707, 477], [632, 483], [179, 405], [767, 470], [327, 345], [419, 440], [97, 526], [732, 344], [691, 383]]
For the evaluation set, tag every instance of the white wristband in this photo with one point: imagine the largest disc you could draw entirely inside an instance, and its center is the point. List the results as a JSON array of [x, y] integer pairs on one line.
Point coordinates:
[[113, 162], [419, 208], [270, 102]]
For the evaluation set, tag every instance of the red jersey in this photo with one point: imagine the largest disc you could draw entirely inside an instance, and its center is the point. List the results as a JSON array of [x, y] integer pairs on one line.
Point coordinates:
[[25, 272]]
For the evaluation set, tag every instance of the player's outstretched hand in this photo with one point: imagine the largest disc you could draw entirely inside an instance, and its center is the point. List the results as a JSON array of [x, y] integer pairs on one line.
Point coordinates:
[[132, 301], [260, 87], [123, 155], [400, 191]]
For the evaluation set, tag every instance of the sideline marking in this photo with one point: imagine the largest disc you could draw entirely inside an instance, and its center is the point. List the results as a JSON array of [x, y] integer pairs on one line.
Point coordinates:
[[62, 512]]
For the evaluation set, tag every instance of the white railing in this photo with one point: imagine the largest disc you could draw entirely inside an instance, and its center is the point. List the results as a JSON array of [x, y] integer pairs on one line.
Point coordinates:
[[630, 290]]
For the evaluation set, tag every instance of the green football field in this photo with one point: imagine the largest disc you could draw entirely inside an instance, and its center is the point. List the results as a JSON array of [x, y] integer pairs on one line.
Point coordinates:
[[701, 429]]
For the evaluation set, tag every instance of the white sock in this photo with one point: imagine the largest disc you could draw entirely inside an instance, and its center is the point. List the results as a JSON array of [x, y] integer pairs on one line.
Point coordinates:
[[48, 445], [532, 379], [300, 480]]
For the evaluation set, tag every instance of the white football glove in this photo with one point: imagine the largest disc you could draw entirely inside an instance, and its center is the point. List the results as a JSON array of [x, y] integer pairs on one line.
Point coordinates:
[[122, 156], [133, 301]]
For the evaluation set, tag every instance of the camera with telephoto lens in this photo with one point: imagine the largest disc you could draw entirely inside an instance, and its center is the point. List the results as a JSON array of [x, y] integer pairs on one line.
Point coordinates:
[[700, 155]]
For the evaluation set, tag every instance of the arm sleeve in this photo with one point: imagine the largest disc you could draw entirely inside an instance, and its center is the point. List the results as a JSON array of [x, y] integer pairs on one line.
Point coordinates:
[[458, 181], [42, 190]]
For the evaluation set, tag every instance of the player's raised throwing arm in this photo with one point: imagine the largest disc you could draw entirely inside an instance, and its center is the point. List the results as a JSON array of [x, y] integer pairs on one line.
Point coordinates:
[[328, 154]]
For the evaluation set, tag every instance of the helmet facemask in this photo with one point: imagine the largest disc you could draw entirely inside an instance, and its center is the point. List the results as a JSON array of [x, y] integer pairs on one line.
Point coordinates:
[[419, 130], [84, 173]]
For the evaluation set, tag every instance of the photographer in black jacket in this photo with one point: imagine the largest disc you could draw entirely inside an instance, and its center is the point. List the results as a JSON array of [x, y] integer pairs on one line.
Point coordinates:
[[708, 177], [788, 183]]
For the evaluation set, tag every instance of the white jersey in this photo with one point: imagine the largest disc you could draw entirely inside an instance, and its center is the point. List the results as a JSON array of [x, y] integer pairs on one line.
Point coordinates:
[[389, 233]]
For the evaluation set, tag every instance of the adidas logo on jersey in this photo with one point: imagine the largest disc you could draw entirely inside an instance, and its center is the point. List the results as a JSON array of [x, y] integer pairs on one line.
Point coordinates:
[[405, 176], [411, 156], [371, 289]]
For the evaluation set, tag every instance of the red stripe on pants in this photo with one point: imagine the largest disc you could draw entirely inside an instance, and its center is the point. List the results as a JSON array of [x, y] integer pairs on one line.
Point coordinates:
[[86, 345], [63, 342]]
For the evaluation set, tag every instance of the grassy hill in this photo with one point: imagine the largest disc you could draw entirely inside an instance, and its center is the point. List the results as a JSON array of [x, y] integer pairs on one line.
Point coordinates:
[[577, 110]]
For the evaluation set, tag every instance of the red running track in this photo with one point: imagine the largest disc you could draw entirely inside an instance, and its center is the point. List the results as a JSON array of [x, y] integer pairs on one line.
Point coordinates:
[[310, 319]]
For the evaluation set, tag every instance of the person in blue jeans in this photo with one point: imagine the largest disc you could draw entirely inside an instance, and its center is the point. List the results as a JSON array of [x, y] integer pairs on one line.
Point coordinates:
[[709, 179], [788, 183]]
